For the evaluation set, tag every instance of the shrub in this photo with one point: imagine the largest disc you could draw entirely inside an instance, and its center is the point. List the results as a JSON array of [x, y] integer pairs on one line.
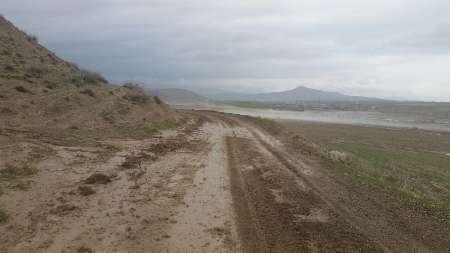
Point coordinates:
[[98, 178], [6, 110], [9, 68], [63, 209], [106, 115], [85, 190], [137, 98], [92, 77], [21, 185], [51, 86], [32, 38], [84, 249], [73, 66], [341, 157], [88, 92], [158, 100], [131, 85], [3, 216], [75, 78], [37, 70], [14, 172], [22, 89]]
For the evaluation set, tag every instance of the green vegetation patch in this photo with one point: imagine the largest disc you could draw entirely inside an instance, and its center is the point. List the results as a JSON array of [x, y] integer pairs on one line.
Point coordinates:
[[11, 172], [409, 162], [3, 216], [418, 176], [13, 177]]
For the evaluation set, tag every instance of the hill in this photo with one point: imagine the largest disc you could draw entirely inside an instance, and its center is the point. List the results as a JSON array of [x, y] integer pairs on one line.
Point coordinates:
[[180, 96], [299, 94], [39, 89]]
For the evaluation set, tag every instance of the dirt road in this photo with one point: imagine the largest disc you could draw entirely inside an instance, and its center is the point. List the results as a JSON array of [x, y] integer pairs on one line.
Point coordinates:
[[227, 186]]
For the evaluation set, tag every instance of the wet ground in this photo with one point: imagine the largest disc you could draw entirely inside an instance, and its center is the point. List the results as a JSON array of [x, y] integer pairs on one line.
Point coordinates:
[[227, 186], [396, 120]]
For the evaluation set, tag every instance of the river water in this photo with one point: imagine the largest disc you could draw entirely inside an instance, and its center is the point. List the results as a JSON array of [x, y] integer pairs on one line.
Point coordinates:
[[341, 117]]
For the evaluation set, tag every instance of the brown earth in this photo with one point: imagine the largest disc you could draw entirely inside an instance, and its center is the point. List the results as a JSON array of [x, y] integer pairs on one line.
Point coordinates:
[[287, 201], [224, 185]]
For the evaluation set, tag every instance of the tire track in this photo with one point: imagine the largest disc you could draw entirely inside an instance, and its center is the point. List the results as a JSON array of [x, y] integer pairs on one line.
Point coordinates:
[[251, 238], [386, 237], [387, 244], [390, 239], [265, 225]]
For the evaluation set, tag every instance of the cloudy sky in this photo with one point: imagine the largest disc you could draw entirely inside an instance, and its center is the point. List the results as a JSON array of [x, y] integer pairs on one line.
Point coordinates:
[[385, 48]]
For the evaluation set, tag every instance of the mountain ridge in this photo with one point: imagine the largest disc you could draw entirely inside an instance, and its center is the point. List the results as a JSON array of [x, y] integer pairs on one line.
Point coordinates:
[[296, 95]]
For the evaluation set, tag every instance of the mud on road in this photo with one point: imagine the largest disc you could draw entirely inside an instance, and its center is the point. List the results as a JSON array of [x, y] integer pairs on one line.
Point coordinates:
[[225, 186], [286, 202]]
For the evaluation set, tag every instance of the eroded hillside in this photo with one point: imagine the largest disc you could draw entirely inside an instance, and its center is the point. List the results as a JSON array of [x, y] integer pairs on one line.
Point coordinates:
[[38, 89]]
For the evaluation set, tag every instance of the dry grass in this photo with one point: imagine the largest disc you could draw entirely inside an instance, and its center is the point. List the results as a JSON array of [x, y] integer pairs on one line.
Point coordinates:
[[12, 172]]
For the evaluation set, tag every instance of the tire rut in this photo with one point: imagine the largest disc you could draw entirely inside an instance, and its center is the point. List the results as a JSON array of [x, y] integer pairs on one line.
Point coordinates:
[[350, 228], [388, 244]]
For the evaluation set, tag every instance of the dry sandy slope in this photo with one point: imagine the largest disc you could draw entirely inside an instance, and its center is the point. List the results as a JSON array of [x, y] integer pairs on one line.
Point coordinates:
[[40, 90]]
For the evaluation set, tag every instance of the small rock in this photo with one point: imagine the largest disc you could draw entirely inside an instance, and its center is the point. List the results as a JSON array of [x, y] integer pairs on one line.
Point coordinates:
[[85, 190], [63, 209], [98, 178], [84, 249]]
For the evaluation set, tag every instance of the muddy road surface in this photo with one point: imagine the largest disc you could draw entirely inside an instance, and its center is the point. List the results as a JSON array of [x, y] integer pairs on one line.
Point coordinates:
[[226, 186]]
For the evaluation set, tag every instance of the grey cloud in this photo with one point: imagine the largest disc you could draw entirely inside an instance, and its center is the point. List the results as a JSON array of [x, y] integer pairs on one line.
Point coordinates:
[[253, 45]]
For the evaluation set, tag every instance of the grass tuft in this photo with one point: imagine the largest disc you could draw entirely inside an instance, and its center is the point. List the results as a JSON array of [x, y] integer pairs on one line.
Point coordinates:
[[11, 172], [3, 216]]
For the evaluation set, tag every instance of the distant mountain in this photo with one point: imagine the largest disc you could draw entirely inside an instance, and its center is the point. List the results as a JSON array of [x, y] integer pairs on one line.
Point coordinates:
[[299, 94], [180, 96]]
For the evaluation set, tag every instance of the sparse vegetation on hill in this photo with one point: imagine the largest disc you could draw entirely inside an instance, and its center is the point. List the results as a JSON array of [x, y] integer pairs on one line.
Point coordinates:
[[38, 89]]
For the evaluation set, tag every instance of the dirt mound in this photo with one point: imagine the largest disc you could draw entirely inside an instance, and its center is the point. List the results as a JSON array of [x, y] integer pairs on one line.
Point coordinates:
[[85, 190], [98, 178], [38, 89], [64, 209]]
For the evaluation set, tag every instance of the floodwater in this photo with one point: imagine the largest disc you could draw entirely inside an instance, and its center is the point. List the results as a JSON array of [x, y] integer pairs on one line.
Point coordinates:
[[341, 117]]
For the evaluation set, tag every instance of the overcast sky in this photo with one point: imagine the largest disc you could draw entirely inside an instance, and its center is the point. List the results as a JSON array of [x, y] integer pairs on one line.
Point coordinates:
[[385, 48]]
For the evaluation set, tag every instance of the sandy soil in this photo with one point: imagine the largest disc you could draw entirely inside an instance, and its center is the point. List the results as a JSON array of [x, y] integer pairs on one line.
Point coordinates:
[[206, 222], [225, 187]]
